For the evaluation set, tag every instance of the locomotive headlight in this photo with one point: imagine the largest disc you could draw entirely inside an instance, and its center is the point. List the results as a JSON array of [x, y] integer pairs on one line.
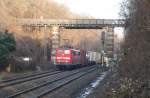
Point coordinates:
[[58, 57]]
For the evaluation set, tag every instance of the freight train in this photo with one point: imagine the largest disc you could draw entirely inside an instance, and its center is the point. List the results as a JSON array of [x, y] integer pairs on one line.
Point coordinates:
[[69, 58]]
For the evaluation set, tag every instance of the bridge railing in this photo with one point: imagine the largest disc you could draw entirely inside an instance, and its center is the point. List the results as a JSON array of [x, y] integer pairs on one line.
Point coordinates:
[[71, 22]]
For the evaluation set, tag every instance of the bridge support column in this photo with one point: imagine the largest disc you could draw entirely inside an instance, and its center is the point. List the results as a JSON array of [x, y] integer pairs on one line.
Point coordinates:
[[110, 41], [107, 39], [55, 42]]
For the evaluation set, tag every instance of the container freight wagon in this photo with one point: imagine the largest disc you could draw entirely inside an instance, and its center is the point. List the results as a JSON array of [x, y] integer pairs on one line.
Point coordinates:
[[70, 58], [93, 57], [98, 58]]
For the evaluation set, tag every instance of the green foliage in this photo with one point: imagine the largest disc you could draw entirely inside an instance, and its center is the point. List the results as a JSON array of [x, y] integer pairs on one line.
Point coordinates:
[[48, 53], [8, 41], [4, 53], [7, 45]]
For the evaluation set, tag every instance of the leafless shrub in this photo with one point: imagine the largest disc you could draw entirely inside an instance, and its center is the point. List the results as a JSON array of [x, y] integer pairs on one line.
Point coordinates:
[[135, 64]]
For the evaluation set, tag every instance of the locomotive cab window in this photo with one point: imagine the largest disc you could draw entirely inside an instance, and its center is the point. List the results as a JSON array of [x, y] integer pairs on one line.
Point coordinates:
[[67, 52], [78, 53], [74, 53], [60, 51]]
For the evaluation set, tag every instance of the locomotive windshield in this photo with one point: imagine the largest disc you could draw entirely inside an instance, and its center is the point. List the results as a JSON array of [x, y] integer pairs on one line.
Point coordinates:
[[63, 52], [60, 51], [66, 52]]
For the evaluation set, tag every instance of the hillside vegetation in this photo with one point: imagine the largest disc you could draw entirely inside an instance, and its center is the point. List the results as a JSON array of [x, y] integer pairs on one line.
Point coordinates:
[[7, 45], [32, 44], [134, 68]]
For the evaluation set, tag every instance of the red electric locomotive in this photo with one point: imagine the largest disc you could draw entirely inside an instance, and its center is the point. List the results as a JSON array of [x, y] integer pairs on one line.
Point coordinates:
[[70, 58]]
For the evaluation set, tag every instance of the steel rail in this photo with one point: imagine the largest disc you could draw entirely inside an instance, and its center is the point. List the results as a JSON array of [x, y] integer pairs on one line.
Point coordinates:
[[44, 84], [21, 80], [25, 75], [63, 84]]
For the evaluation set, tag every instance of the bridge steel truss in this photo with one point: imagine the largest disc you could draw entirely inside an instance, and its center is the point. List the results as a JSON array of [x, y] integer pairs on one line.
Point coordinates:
[[73, 23], [56, 24]]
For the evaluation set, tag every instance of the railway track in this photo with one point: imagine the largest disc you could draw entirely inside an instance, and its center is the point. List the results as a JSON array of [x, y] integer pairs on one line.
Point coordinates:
[[50, 84], [25, 78], [7, 79], [68, 80]]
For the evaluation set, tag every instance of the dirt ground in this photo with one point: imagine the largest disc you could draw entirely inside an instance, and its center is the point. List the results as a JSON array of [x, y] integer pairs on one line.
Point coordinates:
[[104, 88]]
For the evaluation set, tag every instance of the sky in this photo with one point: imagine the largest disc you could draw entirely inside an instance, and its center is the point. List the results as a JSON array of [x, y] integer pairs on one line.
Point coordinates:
[[104, 9]]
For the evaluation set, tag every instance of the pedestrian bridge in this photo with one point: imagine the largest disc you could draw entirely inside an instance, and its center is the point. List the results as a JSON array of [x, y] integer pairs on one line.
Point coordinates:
[[73, 23]]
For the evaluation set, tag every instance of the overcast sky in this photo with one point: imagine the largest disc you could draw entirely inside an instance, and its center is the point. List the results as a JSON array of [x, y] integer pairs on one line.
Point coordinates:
[[105, 9]]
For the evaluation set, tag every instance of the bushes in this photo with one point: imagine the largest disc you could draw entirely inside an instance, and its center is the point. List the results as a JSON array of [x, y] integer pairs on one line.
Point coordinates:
[[134, 68], [130, 88], [7, 45]]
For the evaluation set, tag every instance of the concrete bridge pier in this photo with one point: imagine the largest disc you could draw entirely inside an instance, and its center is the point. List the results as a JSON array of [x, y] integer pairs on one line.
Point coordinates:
[[55, 41]]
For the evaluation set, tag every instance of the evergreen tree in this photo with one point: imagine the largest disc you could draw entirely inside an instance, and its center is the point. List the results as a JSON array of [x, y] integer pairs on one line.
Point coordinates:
[[7, 45]]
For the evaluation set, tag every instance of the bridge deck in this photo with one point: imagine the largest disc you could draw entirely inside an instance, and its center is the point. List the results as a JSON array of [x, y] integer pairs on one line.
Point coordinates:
[[73, 23]]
